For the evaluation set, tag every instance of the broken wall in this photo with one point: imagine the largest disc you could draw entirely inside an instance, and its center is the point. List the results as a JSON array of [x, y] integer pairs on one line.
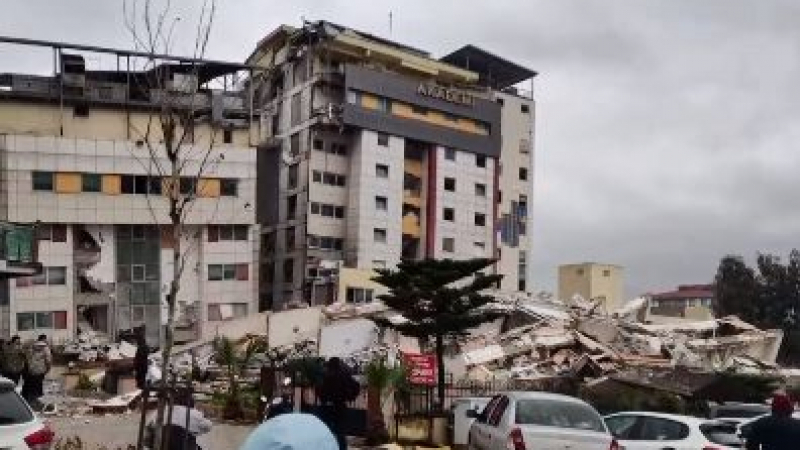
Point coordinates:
[[295, 325]]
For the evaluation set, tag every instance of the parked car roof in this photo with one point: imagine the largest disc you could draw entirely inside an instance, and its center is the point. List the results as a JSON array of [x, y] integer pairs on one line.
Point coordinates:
[[523, 395]]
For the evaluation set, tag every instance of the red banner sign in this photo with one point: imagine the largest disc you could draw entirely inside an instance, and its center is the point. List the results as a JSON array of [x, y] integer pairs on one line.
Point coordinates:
[[421, 368]]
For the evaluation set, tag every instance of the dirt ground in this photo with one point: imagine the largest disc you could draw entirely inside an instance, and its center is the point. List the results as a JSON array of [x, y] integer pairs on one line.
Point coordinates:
[[119, 430]]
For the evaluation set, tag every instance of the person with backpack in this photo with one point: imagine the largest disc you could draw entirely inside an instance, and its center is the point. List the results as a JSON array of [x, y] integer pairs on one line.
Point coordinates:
[[338, 388], [39, 361], [13, 360]]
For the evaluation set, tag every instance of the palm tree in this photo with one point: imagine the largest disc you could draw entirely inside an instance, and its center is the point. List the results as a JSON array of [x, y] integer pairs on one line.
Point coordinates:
[[234, 360], [383, 380]]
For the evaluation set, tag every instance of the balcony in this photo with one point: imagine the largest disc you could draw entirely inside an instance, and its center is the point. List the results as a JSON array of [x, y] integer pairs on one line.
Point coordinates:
[[18, 251], [411, 225]]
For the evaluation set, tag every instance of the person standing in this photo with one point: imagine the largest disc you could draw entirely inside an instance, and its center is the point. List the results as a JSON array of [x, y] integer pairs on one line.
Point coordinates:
[[140, 361], [338, 388], [778, 431], [39, 362], [14, 360]]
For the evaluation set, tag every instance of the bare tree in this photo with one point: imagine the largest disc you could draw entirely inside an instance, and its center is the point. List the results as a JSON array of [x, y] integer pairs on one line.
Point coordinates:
[[168, 146]]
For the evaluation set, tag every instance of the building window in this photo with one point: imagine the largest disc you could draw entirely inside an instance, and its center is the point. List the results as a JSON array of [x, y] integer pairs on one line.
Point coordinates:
[[318, 144], [480, 160], [329, 178], [55, 232], [524, 145], [219, 272], [49, 320], [654, 303], [90, 182], [523, 174], [450, 184], [448, 244], [359, 295], [480, 220], [606, 273], [338, 149], [521, 285], [381, 203], [53, 276], [292, 176], [227, 233], [291, 239], [449, 214], [480, 190], [315, 208], [338, 212], [450, 154], [500, 101], [382, 171], [379, 235], [229, 187], [327, 210], [353, 97], [294, 144], [525, 109], [227, 136], [384, 104], [288, 271], [295, 112], [291, 207], [42, 181], [383, 139]]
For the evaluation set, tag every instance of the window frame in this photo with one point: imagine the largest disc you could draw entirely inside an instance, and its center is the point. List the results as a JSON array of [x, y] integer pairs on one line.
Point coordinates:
[[43, 181]]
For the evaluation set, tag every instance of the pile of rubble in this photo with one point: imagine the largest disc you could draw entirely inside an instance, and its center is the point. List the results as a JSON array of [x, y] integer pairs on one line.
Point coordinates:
[[542, 338]]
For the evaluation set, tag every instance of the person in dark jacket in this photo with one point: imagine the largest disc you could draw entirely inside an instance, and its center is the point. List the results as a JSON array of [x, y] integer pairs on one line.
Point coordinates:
[[140, 361], [14, 360], [338, 388], [778, 431], [38, 362]]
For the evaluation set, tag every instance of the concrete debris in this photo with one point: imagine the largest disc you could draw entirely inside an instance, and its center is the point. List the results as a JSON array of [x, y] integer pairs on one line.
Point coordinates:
[[543, 338]]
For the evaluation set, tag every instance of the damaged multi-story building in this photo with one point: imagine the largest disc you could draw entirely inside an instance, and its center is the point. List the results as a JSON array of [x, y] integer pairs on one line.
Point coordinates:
[[73, 161], [374, 152]]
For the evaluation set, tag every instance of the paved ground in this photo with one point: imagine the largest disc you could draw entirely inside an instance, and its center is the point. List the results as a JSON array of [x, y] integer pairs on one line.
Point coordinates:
[[113, 431]]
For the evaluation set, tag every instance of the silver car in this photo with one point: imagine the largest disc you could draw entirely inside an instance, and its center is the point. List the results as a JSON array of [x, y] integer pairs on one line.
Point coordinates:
[[540, 421]]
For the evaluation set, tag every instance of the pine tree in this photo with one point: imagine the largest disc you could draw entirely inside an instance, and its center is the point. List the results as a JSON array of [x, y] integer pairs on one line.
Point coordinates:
[[440, 299]]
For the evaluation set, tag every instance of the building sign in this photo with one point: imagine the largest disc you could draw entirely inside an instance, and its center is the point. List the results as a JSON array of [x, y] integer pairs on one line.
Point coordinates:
[[421, 368], [449, 95]]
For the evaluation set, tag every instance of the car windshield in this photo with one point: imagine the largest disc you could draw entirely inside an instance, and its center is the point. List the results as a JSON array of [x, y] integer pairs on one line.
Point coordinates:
[[722, 434], [13, 410], [555, 413]]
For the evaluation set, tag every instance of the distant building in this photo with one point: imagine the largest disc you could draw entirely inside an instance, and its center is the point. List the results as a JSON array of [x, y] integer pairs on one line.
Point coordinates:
[[692, 301], [374, 152], [592, 281]]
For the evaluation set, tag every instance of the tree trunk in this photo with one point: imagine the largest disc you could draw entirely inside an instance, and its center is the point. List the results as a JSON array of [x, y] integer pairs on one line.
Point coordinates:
[[440, 371], [166, 352]]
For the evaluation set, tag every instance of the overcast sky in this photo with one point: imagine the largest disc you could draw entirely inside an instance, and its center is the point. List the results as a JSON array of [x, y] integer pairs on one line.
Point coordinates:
[[667, 131]]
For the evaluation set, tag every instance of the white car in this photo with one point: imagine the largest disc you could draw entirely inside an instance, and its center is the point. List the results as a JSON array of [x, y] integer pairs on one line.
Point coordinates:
[[20, 429], [655, 431], [538, 421]]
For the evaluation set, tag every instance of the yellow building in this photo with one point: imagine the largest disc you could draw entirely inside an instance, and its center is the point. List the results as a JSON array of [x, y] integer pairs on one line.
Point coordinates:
[[592, 281]]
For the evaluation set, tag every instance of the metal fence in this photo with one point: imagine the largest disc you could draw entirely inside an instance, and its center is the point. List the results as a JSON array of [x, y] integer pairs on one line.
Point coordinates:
[[424, 399]]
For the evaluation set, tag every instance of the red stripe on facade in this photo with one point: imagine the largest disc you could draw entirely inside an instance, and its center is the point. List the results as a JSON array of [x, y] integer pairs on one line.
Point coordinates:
[[430, 210]]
